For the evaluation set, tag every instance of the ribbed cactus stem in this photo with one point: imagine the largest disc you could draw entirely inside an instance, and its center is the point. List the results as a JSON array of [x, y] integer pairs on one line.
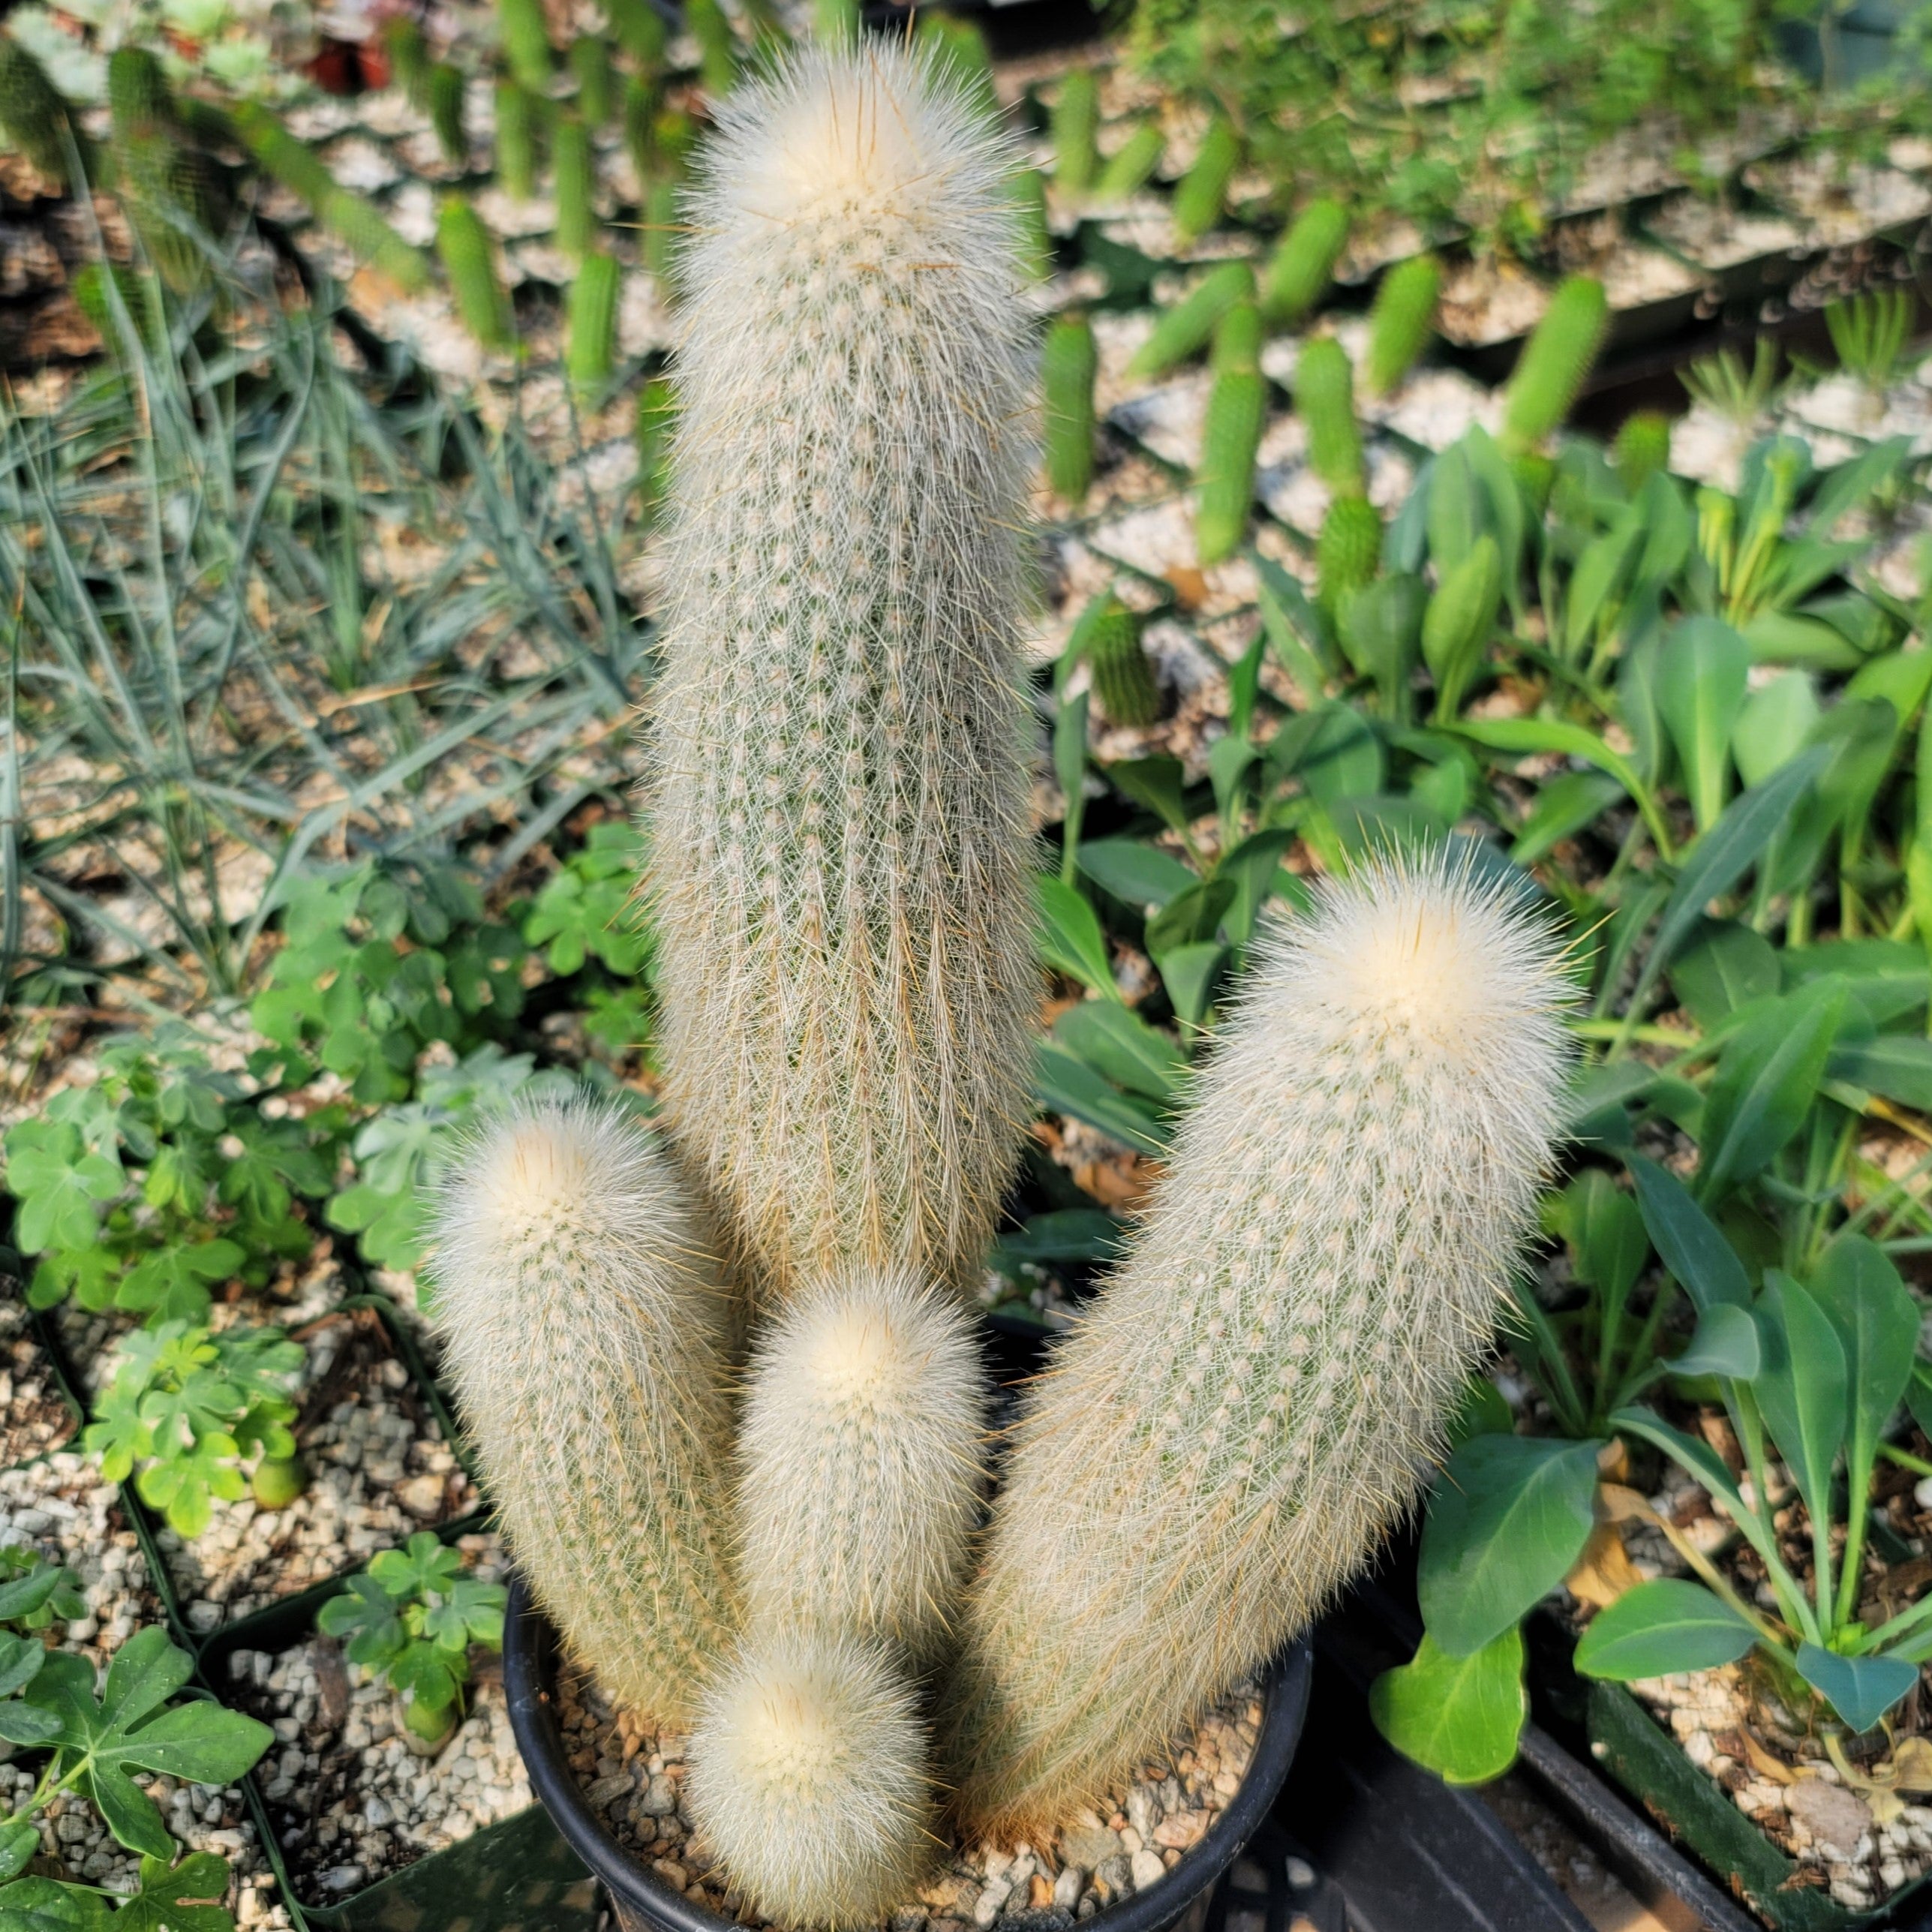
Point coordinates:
[[1348, 549], [469, 260], [33, 112], [1028, 187], [859, 1475], [445, 112], [519, 123], [663, 237], [586, 1338], [1131, 165], [1457, 626], [1554, 363], [1298, 271], [1122, 680], [717, 45], [1325, 400], [574, 166], [1237, 406], [409, 59], [808, 1778], [1642, 448], [1203, 190], [1252, 1401], [526, 42], [597, 84], [1400, 322], [842, 861], [639, 29], [590, 322], [1068, 363], [657, 420], [1188, 326], [836, 22], [1075, 122]]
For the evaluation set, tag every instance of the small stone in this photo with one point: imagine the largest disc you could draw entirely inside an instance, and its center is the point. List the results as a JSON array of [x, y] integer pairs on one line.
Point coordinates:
[[1068, 1888], [1090, 1846], [1836, 1818], [992, 1901], [1145, 1867], [672, 1874], [1039, 1892], [342, 1878], [660, 1798], [1180, 1830], [1110, 1877], [1142, 1813], [605, 1791]]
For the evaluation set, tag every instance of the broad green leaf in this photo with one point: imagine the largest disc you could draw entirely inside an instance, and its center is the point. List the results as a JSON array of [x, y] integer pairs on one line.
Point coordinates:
[[1861, 1689], [1483, 1410], [1458, 1717], [1250, 868], [1563, 807], [1141, 875], [1688, 1241], [1507, 1520], [1898, 1065], [1726, 1343], [1070, 938], [1598, 1095], [19, 1842], [1723, 966], [46, 1905], [1707, 1466], [1191, 919], [1188, 973], [20, 1660], [1069, 770], [1066, 1234], [1524, 737], [1121, 1046], [1766, 1079], [186, 1897], [1064, 1085], [1700, 691], [1775, 724], [1801, 1387], [1337, 756], [1661, 1628], [1604, 1228], [1159, 783], [1877, 1324]]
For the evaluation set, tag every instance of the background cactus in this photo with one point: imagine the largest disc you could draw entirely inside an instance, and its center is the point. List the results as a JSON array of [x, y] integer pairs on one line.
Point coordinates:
[[656, 419], [1298, 271], [1237, 407], [1642, 448], [574, 166], [1347, 548], [33, 114], [859, 1475], [586, 1338], [1325, 400], [639, 29], [808, 1778], [409, 58], [717, 45], [836, 22], [469, 260], [445, 112], [1253, 1399], [1123, 681], [526, 43], [597, 84], [1198, 199], [1399, 322], [662, 233], [1189, 325], [1127, 170], [1457, 626], [518, 121], [1553, 365], [842, 865], [590, 322], [1029, 189], [1075, 121], [1068, 363]]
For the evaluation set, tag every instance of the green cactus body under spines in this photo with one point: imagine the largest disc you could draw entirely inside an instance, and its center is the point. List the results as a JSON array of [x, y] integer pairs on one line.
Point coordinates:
[[1028, 187], [717, 45], [663, 238], [1131, 167], [519, 125], [590, 322], [1457, 626], [469, 260], [1257, 1394], [808, 1777], [1203, 190], [1400, 322], [639, 29], [1122, 680], [1237, 406], [836, 22], [526, 42], [1075, 122], [954, 39], [596, 81], [138, 98], [33, 112], [1068, 363], [656, 422], [573, 162], [586, 1336], [1298, 273], [1348, 550], [1188, 326], [447, 87], [1325, 400], [409, 59], [1554, 364], [1642, 448], [839, 793]]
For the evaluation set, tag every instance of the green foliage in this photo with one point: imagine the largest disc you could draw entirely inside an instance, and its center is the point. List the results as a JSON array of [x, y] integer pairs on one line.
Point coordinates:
[[446, 86], [1459, 622], [1236, 409], [1298, 273], [587, 908], [1201, 191], [469, 260], [1869, 332], [591, 322], [413, 1619], [1325, 400], [526, 44], [1068, 363], [1030, 199], [1555, 360], [519, 127], [1400, 322], [33, 114]]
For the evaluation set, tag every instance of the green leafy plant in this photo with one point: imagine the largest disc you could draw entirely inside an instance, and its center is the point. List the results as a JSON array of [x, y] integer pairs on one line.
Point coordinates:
[[1869, 334]]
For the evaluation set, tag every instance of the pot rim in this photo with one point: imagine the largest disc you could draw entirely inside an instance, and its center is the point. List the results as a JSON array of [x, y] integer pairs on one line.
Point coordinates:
[[529, 1667]]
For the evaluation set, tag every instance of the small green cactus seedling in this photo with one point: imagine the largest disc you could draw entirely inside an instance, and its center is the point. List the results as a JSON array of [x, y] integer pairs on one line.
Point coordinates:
[[1075, 122], [1028, 187], [1237, 406], [1189, 325], [1203, 190], [1259, 1391], [643, 97], [446, 87], [1325, 400], [1298, 271], [1457, 626], [657, 421], [845, 970], [639, 29], [1400, 322], [587, 1338], [33, 112], [590, 322], [1348, 550], [469, 260], [1642, 448], [1068, 363], [409, 59], [1554, 363], [1131, 167], [573, 161], [519, 127], [859, 1476], [710, 27], [1123, 680], [526, 43], [808, 1778], [596, 84]]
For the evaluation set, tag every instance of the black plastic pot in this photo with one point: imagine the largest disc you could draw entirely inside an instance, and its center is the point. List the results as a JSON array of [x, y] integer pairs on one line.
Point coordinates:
[[645, 1903]]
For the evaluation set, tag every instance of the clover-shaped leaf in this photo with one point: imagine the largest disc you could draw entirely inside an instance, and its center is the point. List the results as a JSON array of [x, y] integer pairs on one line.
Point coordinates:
[[46, 1905], [426, 1565], [471, 1612], [364, 1614]]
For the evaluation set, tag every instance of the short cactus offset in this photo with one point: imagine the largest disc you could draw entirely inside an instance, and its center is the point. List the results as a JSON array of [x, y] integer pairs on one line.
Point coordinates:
[[1400, 322], [1254, 1397], [1298, 271], [409, 59], [526, 41], [1325, 400], [469, 260], [842, 865], [591, 322], [596, 84], [1203, 188], [1131, 165], [808, 1778], [1237, 406], [717, 45], [1028, 187], [446, 87], [1555, 360], [585, 1339], [1075, 123], [1642, 448], [573, 162], [33, 112], [859, 1475], [519, 125], [1457, 626], [1188, 326], [1069, 362], [1122, 680], [1348, 549]]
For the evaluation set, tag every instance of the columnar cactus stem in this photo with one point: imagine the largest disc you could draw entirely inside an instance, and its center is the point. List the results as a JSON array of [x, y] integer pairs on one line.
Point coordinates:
[[526, 41], [469, 260], [1203, 189], [1642, 448], [576, 165], [1076, 118], [445, 112], [1553, 365], [519, 118], [1400, 322], [1298, 271], [1068, 363], [590, 322], [1237, 408], [1254, 1399], [1122, 679], [1128, 169], [587, 1339], [1187, 326], [596, 87], [839, 802]]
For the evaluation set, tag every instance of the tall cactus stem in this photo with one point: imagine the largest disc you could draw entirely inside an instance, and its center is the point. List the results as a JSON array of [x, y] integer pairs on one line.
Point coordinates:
[[1237, 406], [1399, 322], [1203, 190], [1187, 328], [1302, 266], [1555, 362], [1068, 363], [1325, 400]]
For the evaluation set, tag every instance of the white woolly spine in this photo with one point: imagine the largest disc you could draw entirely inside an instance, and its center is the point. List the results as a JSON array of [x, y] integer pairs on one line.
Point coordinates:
[[839, 785], [859, 1466], [1255, 1397], [585, 1335]]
